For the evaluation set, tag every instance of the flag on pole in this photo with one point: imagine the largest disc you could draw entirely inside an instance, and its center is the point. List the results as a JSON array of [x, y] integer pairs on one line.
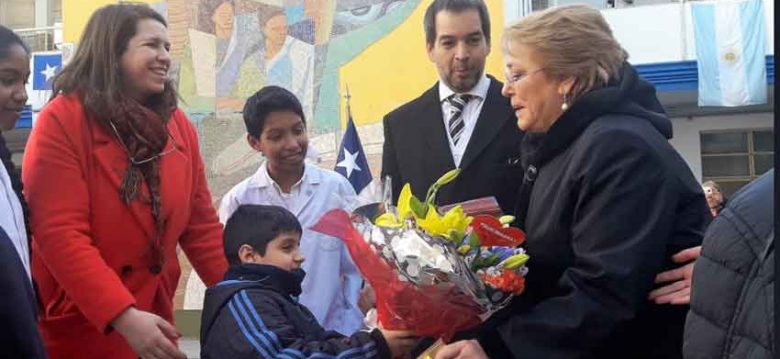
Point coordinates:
[[45, 66], [730, 39], [351, 161]]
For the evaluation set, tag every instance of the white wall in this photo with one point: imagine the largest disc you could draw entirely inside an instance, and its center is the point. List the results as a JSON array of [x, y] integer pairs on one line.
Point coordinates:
[[653, 33], [664, 33], [41, 13], [686, 132], [650, 33]]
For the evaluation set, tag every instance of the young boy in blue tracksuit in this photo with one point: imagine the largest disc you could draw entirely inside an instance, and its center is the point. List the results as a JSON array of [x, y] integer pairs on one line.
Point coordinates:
[[254, 312]]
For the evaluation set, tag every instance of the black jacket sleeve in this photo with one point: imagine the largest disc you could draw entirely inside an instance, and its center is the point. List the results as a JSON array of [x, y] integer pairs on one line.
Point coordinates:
[[260, 327], [389, 162], [19, 337], [622, 214]]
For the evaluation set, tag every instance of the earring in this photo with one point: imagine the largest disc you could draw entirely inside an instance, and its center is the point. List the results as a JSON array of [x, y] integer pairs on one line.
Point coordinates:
[[565, 105]]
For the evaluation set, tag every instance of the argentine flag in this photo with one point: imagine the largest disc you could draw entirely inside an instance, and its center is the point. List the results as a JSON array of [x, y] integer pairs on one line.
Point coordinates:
[[730, 49]]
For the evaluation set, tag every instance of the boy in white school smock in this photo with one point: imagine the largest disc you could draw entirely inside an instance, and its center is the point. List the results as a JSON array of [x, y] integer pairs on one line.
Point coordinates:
[[276, 127]]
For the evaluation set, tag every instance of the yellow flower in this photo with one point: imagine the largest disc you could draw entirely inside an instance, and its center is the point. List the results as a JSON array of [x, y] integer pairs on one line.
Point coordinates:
[[388, 220], [452, 225], [404, 202], [506, 220], [454, 220]]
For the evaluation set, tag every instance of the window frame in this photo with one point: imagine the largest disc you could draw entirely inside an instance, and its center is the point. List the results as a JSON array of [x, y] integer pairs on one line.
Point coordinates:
[[751, 155]]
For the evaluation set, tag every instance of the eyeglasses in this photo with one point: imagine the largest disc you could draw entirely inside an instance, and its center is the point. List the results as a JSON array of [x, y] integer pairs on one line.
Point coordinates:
[[152, 158], [710, 191], [511, 79]]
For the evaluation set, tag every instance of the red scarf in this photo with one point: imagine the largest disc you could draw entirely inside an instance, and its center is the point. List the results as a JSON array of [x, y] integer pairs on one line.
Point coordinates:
[[144, 134]]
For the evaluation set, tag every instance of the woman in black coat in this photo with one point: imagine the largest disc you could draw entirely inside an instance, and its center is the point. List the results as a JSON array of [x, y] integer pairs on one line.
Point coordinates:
[[605, 201]]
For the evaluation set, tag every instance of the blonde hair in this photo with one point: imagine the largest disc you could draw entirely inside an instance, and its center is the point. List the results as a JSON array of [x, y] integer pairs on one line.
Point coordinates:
[[573, 41], [712, 185]]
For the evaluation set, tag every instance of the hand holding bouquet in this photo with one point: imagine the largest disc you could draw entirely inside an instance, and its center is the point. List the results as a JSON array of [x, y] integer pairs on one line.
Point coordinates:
[[434, 273]]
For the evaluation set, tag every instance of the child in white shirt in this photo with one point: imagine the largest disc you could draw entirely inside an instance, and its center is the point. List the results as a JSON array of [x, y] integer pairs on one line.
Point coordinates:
[[276, 127]]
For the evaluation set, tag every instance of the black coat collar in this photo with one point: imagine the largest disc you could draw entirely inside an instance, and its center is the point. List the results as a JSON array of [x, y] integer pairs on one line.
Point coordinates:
[[288, 283], [628, 94]]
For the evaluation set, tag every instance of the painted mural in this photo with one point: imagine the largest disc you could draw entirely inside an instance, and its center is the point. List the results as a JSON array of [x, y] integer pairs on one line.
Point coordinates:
[[225, 50]]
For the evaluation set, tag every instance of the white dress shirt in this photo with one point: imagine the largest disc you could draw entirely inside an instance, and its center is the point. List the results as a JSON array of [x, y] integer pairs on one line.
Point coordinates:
[[470, 114], [332, 284], [12, 219]]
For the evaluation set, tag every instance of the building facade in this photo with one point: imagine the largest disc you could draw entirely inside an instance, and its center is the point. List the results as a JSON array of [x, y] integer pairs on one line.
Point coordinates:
[[377, 49]]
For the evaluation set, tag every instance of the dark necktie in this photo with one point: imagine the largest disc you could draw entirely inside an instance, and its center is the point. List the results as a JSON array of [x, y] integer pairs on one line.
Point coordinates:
[[457, 103]]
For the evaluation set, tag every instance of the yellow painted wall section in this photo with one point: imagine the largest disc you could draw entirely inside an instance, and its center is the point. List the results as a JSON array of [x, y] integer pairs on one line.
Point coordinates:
[[76, 13], [396, 69]]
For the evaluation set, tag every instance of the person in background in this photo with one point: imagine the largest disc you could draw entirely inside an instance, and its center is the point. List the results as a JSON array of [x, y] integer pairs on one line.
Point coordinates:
[[276, 127], [732, 298], [19, 337], [605, 200], [115, 182], [259, 295], [715, 198]]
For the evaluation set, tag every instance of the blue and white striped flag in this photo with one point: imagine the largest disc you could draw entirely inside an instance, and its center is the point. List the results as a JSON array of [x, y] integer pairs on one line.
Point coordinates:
[[731, 49]]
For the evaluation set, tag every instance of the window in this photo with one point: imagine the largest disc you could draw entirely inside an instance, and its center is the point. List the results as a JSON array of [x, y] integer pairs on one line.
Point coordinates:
[[55, 11], [17, 14], [537, 5], [734, 158]]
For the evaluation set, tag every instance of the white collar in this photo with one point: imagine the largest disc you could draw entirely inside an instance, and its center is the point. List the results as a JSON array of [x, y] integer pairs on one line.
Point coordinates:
[[480, 89], [262, 179]]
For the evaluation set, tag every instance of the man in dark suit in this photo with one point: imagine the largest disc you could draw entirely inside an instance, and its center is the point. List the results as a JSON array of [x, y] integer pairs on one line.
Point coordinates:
[[462, 121]]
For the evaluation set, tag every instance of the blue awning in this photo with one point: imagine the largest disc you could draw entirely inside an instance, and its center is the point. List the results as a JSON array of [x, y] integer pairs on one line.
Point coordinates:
[[684, 75]]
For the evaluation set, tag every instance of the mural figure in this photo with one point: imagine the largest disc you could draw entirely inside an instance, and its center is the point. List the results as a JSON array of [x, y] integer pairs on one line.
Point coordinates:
[[227, 49]]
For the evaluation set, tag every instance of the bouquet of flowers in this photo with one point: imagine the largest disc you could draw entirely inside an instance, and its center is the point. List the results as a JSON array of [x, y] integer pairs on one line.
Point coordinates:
[[434, 273]]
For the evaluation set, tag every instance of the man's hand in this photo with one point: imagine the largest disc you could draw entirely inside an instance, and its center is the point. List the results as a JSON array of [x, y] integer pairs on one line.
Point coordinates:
[[679, 290], [464, 349], [150, 336]]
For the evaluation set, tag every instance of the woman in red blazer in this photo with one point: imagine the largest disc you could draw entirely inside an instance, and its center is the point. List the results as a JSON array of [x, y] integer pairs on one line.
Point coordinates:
[[115, 181]]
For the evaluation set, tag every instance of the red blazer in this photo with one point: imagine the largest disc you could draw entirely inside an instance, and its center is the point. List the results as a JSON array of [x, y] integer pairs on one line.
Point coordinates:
[[91, 256]]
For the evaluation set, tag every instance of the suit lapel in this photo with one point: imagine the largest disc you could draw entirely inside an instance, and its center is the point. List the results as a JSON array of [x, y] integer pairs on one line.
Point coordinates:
[[494, 114], [432, 128]]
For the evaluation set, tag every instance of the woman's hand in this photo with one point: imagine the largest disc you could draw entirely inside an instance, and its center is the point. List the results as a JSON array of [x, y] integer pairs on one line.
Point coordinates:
[[464, 349], [150, 336], [679, 291]]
